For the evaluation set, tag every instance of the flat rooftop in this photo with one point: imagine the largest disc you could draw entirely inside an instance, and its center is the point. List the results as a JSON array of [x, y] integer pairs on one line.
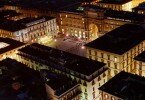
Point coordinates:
[[13, 68], [63, 59], [7, 44], [126, 86], [49, 5], [140, 57], [58, 82], [8, 13], [13, 26], [124, 15], [18, 80], [120, 40], [141, 6], [115, 1]]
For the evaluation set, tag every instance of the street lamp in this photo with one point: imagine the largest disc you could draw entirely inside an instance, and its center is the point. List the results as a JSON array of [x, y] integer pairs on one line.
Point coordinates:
[[55, 40], [67, 35], [82, 47]]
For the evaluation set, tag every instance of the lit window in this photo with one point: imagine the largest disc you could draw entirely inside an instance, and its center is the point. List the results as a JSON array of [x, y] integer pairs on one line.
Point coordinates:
[[115, 59], [112, 98], [106, 96]]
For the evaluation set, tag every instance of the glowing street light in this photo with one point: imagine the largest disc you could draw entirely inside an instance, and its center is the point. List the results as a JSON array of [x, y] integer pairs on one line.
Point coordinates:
[[67, 35], [79, 37], [82, 47], [55, 40]]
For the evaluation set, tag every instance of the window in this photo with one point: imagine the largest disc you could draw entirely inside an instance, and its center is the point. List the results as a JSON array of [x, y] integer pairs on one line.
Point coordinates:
[[106, 96], [93, 95], [93, 82], [93, 89], [115, 59], [140, 65], [99, 84], [102, 55], [89, 52], [85, 84], [108, 62], [108, 57], [95, 53], [104, 81], [115, 65], [112, 98]]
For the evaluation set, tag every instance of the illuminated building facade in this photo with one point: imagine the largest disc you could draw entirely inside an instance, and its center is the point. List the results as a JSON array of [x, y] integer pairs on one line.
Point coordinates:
[[124, 86], [88, 21], [88, 73], [139, 63], [140, 8], [120, 5], [60, 87], [9, 47], [117, 48], [29, 29]]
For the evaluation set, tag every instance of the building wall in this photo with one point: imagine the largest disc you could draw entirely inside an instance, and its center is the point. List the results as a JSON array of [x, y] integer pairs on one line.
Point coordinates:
[[33, 33], [120, 7], [72, 24], [89, 89], [78, 23], [73, 93], [107, 96], [115, 62]]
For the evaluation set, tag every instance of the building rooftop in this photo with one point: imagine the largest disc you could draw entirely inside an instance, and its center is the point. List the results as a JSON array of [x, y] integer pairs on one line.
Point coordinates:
[[126, 86], [73, 9], [19, 81], [7, 44], [115, 1], [49, 5], [125, 16], [140, 57], [13, 26], [58, 82], [140, 6], [120, 40], [8, 13], [63, 59]]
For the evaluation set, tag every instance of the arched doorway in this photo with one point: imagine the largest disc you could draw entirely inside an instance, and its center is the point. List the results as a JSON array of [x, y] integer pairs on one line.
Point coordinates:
[[93, 31]]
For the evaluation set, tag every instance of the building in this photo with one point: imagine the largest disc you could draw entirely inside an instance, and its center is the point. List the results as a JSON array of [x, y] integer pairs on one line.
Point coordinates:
[[137, 3], [72, 22], [88, 73], [139, 63], [9, 47], [60, 87], [140, 8], [120, 5], [124, 86], [19, 82], [29, 29], [118, 47], [87, 21]]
